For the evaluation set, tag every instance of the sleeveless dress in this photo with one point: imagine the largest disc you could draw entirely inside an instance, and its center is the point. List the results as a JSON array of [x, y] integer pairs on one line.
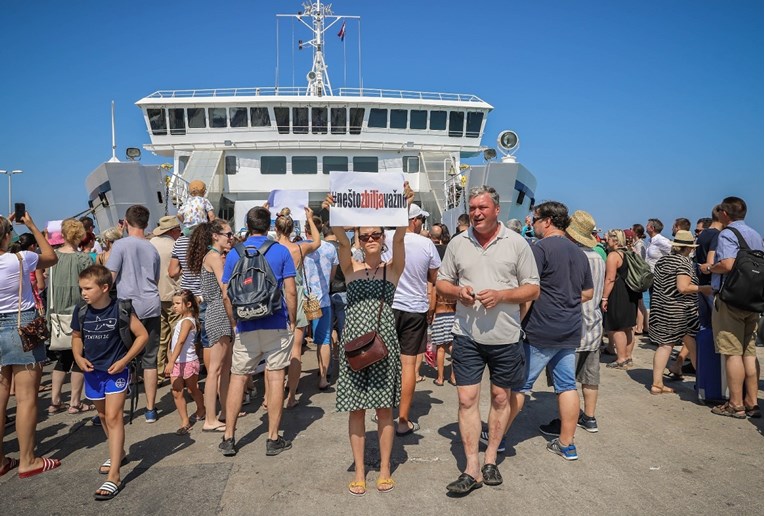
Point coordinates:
[[379, 385], [622, 302], [216, 321], [673, 315], [301, 321]]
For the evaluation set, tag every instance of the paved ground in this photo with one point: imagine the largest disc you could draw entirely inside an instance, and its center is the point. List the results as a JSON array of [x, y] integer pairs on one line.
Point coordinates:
[[653, 455]]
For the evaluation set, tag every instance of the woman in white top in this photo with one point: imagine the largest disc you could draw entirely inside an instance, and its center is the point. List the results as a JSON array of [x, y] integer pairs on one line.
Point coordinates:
[[641, 327], [23, 368]]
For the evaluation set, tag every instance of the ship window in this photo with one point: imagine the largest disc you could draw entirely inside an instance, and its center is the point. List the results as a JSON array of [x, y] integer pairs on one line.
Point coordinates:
[[438, 120], [319, 120], [418, 119], [411, 164], [282, 115], [474, 121], [196, 118], [456, 124], [356, 120], [157, 121], [365, 163], [177, 120], [330, 163], [230, 165], [304, 164], [398, 118], [217, 117], [339, 120], [300, 120], [273, 164], [238, 116], [259, 117], [378, 117]]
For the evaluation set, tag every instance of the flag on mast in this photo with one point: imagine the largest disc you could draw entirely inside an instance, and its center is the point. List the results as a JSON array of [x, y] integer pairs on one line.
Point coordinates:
[[341, 34]]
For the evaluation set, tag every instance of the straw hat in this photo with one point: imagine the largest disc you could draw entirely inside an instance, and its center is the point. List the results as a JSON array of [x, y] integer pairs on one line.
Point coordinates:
[[683, 238], [166, 223], [581, 227]]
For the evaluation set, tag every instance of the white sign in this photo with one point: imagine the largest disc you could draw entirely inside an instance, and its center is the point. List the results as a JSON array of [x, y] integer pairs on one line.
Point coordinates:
[[367, 199], [295, 200], [240, 213]]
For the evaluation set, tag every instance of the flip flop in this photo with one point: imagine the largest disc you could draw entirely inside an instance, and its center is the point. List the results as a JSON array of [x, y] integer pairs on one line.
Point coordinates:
[[217, 429], [412, 429], [356, 485], [184, 430], [193, 419], [420, 379], [108, 464], [385, 485], [80, 408], [111, 490], [435, 382], [9, 465], [47, 465]]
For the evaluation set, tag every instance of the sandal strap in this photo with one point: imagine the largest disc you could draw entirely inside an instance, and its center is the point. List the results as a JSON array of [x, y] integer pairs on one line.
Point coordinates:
[[109, 486]]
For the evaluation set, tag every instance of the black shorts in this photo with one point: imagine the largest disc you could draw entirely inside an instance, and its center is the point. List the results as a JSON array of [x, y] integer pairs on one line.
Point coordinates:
[[65, 361], [149, 353], [412, 331], [507, 363]]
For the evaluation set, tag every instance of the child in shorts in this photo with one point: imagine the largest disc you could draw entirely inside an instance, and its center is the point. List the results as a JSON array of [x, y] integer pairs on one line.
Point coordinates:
[[183, 362], [103, 357], [196, 209]]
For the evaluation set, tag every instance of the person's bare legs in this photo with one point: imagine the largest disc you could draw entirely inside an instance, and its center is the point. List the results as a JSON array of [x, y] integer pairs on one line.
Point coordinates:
[[630, 335], [660, 359], [418, 367], [517, 400], [408, 384], [150, 385], [57, 379], [180, 401], [469, 418], [114, 423], [736, 374], [6, 378], [27, 382], [385, 436], [275, 394], [499, 416], [224, 377], [323, 354], [234, 403], [214, 361], [357, 434], [590, 395], [296, 366], [642, 318], [75, 396], [751, 380], [196, 394], [568, 407], [619, 340], [440, 358], [689, 345]]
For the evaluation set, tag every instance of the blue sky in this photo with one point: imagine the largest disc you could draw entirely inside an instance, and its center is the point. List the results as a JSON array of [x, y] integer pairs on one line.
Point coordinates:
[[628, 110]]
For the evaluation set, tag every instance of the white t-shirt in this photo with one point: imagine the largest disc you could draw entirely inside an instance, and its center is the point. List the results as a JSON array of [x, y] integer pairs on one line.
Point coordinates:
[[9, 282], [188, 352], [658, 246], [412, 290]]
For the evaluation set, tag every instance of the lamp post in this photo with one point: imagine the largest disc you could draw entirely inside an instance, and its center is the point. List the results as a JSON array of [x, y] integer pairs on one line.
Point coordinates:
[[10, 173]]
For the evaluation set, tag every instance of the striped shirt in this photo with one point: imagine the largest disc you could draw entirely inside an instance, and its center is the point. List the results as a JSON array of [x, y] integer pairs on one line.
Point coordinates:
[[592, 317], [192, 282]]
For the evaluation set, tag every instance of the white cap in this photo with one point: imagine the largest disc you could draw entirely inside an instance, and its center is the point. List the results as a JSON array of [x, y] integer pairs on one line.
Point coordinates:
[[415, 211]]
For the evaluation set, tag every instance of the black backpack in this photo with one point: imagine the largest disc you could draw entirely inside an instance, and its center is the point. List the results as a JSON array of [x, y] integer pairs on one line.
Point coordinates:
[[125, 311], [252, 289], [742, 287]]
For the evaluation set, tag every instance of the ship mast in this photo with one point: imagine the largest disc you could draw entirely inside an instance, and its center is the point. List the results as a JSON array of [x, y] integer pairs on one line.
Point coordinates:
[[318, 18]]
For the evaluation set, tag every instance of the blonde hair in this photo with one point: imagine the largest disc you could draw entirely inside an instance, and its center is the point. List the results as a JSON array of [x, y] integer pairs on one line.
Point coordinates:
[[73, 232], [112, 234], [197, 188], [618, 235]]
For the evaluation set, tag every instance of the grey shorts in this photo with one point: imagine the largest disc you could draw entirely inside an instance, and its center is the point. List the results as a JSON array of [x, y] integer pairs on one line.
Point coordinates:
[[588, 367]]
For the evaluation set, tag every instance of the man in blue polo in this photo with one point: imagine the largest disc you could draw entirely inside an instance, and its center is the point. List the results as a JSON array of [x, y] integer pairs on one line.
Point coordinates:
[[269, 338]]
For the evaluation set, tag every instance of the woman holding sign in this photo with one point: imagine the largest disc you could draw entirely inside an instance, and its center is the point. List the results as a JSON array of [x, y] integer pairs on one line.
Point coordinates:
[[371, 284]]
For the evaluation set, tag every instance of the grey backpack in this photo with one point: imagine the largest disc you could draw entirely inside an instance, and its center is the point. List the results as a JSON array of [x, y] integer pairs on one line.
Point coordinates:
[[252, 289]]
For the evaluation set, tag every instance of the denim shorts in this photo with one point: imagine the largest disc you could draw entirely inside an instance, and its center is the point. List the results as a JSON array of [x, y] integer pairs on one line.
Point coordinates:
[[322, 327], [562, 363], [10, 342], [100, 383], [202, 335]]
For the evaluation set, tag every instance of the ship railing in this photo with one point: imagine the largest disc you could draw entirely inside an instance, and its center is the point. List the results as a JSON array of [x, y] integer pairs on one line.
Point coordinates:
[[454, 188], [299, 92], [177, 189]]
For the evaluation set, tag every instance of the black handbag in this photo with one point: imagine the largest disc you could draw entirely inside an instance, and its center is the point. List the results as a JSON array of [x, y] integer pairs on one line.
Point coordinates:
[[36, 332], [369, 348]]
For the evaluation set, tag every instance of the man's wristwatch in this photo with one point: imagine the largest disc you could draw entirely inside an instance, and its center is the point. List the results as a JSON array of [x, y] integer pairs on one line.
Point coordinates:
[[709, 268]]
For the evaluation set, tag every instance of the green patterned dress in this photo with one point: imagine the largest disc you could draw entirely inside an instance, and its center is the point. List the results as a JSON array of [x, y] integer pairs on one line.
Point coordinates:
[[379, 385]]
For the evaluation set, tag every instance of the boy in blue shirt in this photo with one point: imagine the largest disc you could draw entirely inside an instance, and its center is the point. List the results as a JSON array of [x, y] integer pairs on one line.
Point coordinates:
[[103, 357]]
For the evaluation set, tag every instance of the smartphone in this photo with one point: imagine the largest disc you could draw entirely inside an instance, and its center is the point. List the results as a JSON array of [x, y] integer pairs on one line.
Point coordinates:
[[20, 211]]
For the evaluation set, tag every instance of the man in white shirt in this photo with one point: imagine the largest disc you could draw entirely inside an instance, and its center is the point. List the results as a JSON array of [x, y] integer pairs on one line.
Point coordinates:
[[411, 305], [658, 245]]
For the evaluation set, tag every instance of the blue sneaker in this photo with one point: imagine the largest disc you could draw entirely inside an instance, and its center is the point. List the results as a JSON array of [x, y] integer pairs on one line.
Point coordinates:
[[151, 416], [95, 421], [484, 438], [567, 452]]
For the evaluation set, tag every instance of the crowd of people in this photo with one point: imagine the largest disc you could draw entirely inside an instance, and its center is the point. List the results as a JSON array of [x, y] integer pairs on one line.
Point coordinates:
[[548, 296]]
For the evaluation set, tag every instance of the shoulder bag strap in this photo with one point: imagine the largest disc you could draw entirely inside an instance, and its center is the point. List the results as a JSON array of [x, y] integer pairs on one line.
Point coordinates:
[[741, 242], [21, 273], [382, 298]]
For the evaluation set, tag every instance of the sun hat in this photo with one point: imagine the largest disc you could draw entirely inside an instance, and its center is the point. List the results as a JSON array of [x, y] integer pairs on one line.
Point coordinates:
[[415, 211], [581, 227], [166, 223], [683, 238], [55, 236]]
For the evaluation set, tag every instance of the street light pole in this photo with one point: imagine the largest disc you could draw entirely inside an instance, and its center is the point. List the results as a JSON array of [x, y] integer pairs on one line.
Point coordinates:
[[10, 173]]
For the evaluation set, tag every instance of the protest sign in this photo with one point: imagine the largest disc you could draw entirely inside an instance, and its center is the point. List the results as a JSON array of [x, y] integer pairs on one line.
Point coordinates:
[[366, 199], [295, 200]]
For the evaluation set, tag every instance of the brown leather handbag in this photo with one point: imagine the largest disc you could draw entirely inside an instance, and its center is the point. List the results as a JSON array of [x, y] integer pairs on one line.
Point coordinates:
[[369, 348], [36, 332]]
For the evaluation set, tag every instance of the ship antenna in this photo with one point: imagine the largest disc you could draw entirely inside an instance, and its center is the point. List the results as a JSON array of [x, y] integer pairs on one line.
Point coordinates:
[[114, 140]]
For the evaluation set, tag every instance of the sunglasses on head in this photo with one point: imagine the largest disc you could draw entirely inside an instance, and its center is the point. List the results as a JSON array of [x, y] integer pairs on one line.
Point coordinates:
[[374, 236]]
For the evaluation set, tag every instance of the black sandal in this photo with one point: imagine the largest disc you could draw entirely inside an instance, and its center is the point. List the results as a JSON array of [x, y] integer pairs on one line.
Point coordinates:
[[491, 475], [463, 485]]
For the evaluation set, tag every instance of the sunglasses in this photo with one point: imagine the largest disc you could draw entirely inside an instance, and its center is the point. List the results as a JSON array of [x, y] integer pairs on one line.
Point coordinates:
[[374, 236], [534, 220], [230, 234]]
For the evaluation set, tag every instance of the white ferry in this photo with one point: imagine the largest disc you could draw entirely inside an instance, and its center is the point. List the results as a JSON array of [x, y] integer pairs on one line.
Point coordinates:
[[245, 142]]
